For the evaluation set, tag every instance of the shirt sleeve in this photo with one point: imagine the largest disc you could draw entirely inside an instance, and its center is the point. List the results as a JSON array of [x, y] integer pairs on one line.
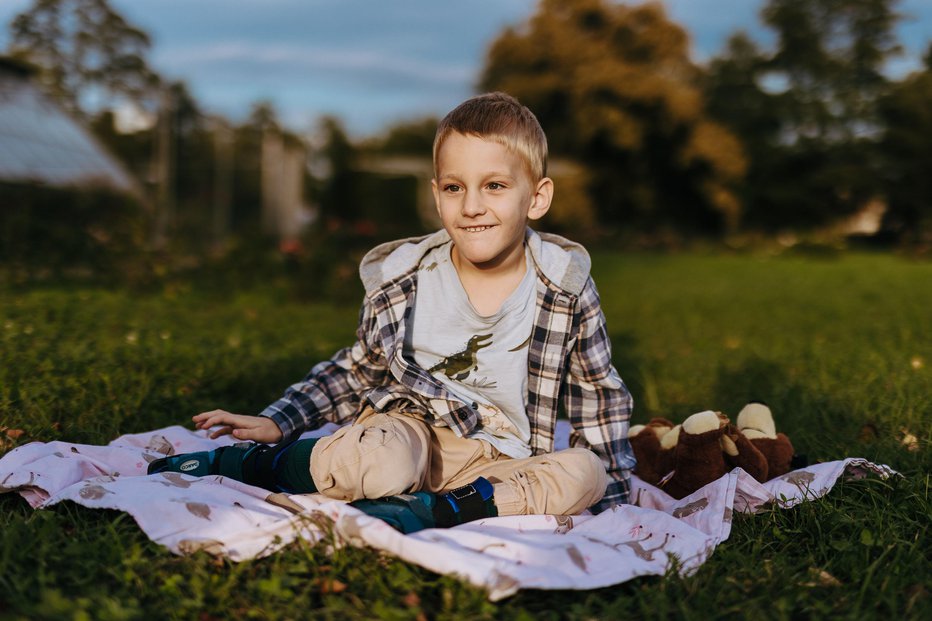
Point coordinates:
[[333, 389], [597, 401]]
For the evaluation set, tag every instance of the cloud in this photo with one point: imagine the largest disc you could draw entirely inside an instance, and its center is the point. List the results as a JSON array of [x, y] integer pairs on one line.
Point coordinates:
[[281, 58]]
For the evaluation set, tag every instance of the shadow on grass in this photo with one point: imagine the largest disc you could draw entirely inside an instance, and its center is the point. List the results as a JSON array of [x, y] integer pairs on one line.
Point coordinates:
[[819, 425], [624, 346]]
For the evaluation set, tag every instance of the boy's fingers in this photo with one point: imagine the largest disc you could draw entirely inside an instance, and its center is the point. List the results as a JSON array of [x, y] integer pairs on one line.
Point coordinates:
[[207, 423], [240, 426], [222, 418], [213, 422], [211, 415], [221, 432]]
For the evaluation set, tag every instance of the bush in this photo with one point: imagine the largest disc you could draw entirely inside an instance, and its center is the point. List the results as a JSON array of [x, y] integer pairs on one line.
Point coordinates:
[[59, 231]]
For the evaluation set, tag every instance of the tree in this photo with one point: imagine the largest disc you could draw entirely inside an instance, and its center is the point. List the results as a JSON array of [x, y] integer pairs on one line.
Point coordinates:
[[88, 54], [831, 55], [247, 168], [338, 192], [907, 149], [806, 111], [614, 88], [414, 138], [736, 98]]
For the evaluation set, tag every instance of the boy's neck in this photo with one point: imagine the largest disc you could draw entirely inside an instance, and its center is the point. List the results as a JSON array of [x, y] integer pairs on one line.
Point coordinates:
[[488, 286]]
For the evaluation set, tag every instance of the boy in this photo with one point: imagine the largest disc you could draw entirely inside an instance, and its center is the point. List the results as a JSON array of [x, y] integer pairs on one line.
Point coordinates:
[[468, 340]]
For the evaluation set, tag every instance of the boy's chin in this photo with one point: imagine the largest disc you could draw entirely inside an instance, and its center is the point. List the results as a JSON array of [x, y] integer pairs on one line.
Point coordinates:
[[483, 258]]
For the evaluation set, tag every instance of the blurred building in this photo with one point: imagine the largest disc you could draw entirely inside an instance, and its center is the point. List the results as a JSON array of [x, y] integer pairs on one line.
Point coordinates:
[[284, 211], [41, 144]]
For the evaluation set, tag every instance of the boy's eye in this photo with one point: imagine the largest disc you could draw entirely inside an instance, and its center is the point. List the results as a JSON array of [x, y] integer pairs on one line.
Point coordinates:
[[451, 187], [495, 185]]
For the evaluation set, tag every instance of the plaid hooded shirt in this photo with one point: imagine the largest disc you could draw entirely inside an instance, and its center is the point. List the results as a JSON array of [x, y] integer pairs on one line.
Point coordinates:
[[569, 360]]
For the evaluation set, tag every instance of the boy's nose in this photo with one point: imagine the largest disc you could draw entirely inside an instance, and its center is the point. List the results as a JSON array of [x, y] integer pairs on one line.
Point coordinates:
[[472, 205]]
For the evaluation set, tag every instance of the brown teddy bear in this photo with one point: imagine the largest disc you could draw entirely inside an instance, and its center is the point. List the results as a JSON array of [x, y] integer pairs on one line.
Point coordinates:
[[682, 458]]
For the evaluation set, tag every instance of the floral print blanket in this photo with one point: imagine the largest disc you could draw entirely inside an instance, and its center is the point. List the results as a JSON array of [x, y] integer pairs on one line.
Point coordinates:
[[501, 555]]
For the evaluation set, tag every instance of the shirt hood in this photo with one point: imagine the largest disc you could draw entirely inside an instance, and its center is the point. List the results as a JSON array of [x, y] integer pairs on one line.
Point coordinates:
[[565, 263]]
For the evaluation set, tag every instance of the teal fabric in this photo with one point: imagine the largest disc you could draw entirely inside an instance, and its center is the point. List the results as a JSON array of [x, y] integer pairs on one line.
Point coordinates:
[[277, 468], [407, 513], [230, 462], [293, 470], [196, 464], [225, 461]]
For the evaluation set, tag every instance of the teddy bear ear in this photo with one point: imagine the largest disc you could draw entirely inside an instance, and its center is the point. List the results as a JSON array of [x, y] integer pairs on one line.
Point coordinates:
[[755, 420], [745, 454], [702, 422], [670, 439]]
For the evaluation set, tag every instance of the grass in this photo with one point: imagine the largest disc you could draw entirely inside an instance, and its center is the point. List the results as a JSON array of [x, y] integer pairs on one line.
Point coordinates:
[[840, 347]]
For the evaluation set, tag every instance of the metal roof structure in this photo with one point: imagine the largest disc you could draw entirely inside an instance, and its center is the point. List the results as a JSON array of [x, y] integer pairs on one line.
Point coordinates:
[[40, 143]]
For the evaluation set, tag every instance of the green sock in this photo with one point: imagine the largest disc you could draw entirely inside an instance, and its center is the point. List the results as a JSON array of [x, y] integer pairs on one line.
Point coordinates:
[[293, 470]]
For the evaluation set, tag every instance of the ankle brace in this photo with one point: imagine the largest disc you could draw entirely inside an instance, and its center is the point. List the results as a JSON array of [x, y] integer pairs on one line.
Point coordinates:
[[280, 468], [465, 504]]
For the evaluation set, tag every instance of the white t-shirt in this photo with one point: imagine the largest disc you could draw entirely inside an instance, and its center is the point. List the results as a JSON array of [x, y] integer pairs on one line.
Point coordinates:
[[481, 360]]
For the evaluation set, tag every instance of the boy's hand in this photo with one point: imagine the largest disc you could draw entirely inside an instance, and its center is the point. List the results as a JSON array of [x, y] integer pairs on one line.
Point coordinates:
[[256, 428]]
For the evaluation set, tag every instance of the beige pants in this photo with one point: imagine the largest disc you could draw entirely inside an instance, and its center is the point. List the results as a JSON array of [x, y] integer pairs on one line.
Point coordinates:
[[382, 454]]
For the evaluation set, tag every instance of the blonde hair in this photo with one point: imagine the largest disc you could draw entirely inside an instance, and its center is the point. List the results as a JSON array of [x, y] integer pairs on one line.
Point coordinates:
[[501, 118]]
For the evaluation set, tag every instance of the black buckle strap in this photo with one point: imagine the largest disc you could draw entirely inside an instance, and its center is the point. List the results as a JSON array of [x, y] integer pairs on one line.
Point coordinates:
[[470, 501], [259, 467]]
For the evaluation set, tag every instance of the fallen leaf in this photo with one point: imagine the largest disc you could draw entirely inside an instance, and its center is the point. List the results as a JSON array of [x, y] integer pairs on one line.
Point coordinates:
[[8, 437], [821, 578], [909, 441], [331, 585]]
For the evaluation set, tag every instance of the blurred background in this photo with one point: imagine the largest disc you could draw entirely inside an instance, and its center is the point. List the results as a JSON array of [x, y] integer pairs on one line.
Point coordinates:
[[145, 138]]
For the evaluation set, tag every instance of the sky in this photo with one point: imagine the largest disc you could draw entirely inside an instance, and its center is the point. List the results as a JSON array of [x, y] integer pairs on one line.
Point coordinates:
[[377, 62]]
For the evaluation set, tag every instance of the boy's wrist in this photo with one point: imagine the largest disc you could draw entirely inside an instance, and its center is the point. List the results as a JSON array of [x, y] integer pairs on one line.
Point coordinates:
[[284, 415]]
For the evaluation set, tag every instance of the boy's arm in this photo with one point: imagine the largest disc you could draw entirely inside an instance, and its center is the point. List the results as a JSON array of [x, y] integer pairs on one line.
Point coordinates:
[[332, 389], [597, 401]]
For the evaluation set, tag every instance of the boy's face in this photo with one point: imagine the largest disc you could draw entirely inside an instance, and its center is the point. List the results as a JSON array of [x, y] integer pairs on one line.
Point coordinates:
[[485, 197]]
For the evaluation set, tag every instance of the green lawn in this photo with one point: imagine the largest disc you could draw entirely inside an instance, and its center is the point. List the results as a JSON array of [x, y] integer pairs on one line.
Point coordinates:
[[840, 347]]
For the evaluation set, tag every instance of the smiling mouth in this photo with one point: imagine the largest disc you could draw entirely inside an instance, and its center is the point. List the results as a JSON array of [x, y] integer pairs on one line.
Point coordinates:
[[476, 229]]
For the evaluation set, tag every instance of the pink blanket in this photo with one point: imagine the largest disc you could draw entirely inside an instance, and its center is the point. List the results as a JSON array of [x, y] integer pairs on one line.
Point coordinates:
[[501, 555]]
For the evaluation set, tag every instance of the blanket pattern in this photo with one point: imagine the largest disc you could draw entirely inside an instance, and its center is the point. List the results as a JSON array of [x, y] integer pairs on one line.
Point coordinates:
[[501, 555]]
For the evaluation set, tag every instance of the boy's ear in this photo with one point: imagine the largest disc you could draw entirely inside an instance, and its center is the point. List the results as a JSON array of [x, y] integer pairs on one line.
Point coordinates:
[[435, 190], [540, 203]]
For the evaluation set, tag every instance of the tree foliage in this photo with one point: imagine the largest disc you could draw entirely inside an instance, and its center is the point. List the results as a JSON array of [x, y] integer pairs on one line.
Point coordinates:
[[807, 110], [49, 231], [414, 138], [831, 54], [614, 87], [86, 51], [906, 113]]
